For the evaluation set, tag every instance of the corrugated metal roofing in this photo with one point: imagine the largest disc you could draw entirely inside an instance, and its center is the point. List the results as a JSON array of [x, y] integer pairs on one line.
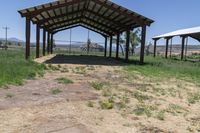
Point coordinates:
[[192, 32]]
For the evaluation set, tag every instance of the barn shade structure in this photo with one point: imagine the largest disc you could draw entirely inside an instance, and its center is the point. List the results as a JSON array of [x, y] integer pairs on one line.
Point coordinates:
[[101, 16], [184, 34]]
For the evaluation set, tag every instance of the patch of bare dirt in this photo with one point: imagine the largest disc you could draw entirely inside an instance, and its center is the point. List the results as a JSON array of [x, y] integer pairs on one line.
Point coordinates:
[[102, 99]]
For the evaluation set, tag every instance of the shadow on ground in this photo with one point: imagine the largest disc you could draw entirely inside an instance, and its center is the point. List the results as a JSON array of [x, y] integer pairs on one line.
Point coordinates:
[[84, 60]]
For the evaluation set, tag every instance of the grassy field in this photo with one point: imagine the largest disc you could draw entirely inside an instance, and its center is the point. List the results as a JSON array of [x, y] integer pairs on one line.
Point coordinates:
[[160, 67], [14, 68]]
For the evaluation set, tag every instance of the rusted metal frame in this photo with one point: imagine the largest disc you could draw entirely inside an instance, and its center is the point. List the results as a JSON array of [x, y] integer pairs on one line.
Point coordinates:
[[76, 22], [101, 24], [99, 28], [110, 52], [54, 12], [85, 7], [117, 24], [65, 24], [100, 7], [38, 11], [167, 47], [63, 21], [123, 13], [182, 47], [65, 28], [94, 30], [105, 7], [28, 34], [61, 12], [106, 43], [37, 41], [127, 45], [78, 6], [111, 14], [117, 46], [143, 41], [82, 25], [57, 17], [94, 13], [44, 43], [106, 31], [117, 17]]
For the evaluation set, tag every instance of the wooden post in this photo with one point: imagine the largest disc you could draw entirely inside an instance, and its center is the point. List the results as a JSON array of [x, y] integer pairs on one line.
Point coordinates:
[[28, 35], [48, 43], [182, 48], [37, 41], [186, 48], [51, 44], [155, 46], [106, 41], [117, 47], [143, 41], [44, 43], [171, 48], [127, 45], [166, 50], [110, 54]]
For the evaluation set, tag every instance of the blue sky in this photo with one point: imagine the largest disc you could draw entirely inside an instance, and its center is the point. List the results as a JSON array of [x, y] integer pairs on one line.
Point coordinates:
[[169, 15]]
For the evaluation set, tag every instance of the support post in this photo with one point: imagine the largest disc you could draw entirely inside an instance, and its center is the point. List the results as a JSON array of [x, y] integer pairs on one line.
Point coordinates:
[[110, 54], [171, 48], [44, 43], [182, 48], [117, 47], [37, 41], [155, 46], [166, 50], [127, 45], [48, 43], [186, 48], [28, 35], [106, 41], [51, 43], [143, 41]]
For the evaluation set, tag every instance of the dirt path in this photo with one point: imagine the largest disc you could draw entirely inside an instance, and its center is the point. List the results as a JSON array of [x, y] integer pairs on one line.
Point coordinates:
[[44, 105]]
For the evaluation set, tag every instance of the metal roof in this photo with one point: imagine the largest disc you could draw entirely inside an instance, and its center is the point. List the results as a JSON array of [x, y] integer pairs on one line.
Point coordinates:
[[102, 16], [192, 32]]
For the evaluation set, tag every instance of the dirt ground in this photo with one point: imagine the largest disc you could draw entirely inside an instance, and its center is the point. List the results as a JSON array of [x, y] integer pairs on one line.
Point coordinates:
[[140, 104]]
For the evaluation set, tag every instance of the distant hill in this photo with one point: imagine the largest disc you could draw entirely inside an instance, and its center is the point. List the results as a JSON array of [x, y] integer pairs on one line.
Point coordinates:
[[12, 39]]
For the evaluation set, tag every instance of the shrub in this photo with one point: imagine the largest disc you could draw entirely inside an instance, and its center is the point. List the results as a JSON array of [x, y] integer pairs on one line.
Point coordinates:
[[56, 91], [106, 104], [63, 80]]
